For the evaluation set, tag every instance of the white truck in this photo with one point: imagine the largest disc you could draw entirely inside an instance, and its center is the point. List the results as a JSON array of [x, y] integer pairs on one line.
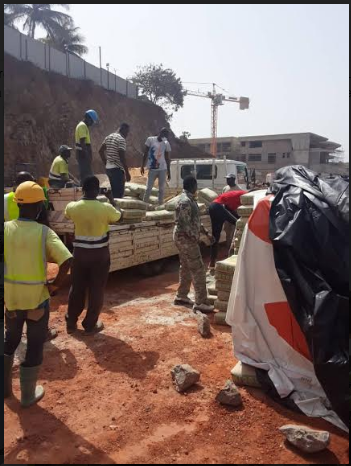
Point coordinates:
[[210, 173]]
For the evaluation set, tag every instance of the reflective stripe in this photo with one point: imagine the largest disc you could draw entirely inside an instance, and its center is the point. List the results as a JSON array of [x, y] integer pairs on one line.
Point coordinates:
[[43, 264], [91, 238], [52, 176], [90, 246]]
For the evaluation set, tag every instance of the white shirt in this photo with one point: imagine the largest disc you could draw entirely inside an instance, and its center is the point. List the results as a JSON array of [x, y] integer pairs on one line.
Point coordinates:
[[156, 157]]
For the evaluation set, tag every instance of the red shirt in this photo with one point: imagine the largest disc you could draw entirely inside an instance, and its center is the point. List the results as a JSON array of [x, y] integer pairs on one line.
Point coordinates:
[[231, 200]]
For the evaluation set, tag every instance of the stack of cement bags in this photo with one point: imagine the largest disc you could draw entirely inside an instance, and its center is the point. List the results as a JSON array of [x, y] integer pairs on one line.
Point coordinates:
[[244, 211], [134, 210], [224, 274], [137, 191], [207, 196], [160, 215]]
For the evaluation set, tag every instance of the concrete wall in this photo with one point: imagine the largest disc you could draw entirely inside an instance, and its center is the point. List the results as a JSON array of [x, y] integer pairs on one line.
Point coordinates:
[[47, 58]]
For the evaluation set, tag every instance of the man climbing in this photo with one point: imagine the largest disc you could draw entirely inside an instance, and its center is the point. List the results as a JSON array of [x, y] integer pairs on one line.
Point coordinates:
[[59, 176], [83, 144], [187, 232], [223, 209], [158, 160], [113, 155], [91, 256], [28, 246]]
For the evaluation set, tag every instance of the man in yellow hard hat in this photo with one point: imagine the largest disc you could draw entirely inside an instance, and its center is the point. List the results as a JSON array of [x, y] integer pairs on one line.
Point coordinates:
[[28, 245]]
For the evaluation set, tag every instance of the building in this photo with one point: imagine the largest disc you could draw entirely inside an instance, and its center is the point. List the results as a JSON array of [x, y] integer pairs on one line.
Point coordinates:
[[266, 154]]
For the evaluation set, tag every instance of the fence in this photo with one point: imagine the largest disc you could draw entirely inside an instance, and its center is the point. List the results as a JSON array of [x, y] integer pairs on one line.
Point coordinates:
[[25, 48]]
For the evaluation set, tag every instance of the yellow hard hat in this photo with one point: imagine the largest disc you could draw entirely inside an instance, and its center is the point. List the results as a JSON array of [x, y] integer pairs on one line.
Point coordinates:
[[29, 193]]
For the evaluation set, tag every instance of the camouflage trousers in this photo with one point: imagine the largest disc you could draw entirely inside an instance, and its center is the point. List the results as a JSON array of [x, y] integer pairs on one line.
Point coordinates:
[[192, 270]]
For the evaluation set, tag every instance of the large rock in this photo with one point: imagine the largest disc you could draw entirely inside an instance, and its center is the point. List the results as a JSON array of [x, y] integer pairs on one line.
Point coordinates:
[[184, 377], [306, 439], [230, 395], [203, 325]]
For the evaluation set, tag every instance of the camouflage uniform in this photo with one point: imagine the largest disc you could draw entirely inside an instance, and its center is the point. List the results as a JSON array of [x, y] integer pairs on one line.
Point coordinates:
[[187, 233]]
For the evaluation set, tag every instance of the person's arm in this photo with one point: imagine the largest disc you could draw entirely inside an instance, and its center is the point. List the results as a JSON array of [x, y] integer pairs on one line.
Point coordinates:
[[114, 214], [57, 283], [168, 162], [122, 156], [102, 153], [146, 152]]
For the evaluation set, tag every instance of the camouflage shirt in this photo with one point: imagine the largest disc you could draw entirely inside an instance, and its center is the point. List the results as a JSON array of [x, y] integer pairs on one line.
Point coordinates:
[[188, 222]]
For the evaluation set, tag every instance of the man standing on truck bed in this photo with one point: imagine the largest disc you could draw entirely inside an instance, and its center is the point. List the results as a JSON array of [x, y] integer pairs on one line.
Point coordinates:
[[91, 256], [83, 144], [28, 246], [188, 229], [113, 154], [157, 155], [223, 209]]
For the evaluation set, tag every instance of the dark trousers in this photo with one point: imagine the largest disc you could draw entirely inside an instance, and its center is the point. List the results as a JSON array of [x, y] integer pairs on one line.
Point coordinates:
[[37, 322], [117, 181], [84, 164], [219, 215], [89, 272], [57, 184]]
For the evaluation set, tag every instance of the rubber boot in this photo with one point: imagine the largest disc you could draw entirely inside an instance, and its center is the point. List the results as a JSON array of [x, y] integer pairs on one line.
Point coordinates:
[[31, 393], [8, 364]]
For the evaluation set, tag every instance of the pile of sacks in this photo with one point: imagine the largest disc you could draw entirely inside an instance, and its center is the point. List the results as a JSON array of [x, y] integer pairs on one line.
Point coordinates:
[[244, 211], [134, 211], [224, 274], [137, 191]]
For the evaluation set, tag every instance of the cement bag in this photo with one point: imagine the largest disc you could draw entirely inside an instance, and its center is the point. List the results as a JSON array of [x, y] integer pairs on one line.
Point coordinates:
[[227, 265], [131, 204], [128, 193], [160, 207], [247, 199], [140, 189], [202, 208], [244, 375], [221, 305], [159, 215], [153, 200], [102, 198], [224, 285], [171, 205], [207, 195], [223, 295], [245, 211], [266, 334], [131, 214], [224, 277], [219, 318], [212, 291], [240, 224]]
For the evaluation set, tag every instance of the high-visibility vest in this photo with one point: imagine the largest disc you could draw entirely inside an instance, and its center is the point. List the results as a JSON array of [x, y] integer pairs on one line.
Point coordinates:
[[25, 253], [11, 210]]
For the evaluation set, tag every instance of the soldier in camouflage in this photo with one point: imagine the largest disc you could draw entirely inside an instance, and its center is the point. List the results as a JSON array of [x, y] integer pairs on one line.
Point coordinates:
[[187, 232]]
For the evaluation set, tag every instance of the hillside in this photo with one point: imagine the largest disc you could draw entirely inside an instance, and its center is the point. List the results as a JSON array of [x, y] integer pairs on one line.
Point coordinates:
[[42, 110]]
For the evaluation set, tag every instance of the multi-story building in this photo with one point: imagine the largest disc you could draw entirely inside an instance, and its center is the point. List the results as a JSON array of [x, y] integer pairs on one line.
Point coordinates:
[[266, 154]]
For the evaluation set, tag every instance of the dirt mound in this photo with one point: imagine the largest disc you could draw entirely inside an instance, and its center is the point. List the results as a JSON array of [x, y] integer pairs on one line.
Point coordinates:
[[42, 110]]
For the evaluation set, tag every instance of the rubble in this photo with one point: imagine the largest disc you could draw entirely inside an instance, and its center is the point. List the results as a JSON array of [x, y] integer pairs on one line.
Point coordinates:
[[306, 439], [229, 395], [184, 377]]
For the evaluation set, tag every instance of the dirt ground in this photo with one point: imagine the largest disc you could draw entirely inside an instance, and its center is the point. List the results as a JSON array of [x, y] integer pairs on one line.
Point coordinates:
[[109, 398]]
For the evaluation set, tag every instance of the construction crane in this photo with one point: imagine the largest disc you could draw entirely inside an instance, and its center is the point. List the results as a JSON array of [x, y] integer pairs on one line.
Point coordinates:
[[218, 99]]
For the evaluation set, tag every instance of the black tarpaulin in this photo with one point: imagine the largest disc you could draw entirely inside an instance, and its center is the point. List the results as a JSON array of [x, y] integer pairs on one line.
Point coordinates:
[[309, 228]]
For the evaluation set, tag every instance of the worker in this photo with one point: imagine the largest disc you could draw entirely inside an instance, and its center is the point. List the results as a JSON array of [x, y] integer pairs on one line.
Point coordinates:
[[59, 176], [223, 209], [113, 155], [158, 161], [187, 232], [83, 144], [91, 256], [28, 246], [231, 184]]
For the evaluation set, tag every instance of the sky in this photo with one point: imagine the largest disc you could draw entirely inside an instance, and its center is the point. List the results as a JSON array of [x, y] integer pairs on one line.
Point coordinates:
[[292, 61]]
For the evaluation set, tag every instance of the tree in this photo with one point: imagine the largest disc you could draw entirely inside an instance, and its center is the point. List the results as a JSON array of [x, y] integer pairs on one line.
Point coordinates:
[[39, 14], [185, 136], [161, 86], [67, 39]]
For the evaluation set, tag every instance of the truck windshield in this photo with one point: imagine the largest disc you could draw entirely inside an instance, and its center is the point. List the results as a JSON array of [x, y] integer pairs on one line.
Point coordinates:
[[241, 174], [203, 172]]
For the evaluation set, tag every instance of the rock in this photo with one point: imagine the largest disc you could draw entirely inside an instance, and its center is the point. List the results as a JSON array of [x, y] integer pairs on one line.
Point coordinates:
[[184, 377], [230, 395], [306, 439], [113, 427], [203, 325]]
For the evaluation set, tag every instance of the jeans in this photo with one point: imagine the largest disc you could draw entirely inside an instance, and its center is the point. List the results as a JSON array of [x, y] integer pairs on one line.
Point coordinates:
[[37, 321], [89, 272], [117, 181], [219, 215], [84, 164], [161, 175]]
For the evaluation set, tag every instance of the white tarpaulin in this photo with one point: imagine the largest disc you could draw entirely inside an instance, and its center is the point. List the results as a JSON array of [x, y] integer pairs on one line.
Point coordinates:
[[266, 334]]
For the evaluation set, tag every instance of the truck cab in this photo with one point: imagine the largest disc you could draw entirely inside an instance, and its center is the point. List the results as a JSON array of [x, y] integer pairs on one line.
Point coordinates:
[[210, 173]]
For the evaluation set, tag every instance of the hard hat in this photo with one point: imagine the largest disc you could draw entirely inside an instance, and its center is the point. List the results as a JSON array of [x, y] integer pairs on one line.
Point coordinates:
[[93, 115], [64, 149], [29, 193], [231, 175]]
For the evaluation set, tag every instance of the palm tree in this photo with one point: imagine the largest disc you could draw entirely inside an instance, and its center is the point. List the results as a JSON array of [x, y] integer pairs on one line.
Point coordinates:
[[68, 39], [39, 14]]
